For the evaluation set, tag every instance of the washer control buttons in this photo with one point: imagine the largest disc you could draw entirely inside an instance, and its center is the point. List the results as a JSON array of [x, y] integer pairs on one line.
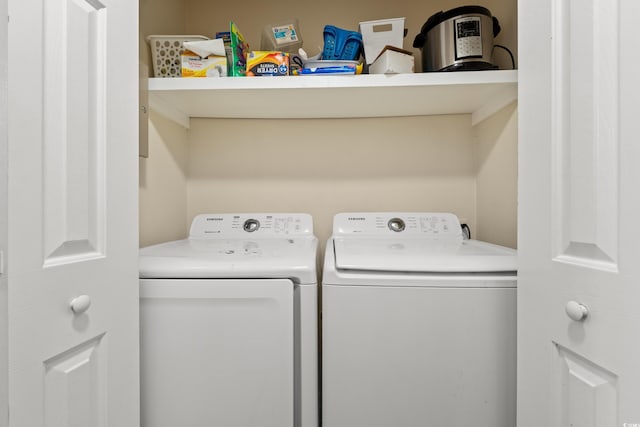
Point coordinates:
[[251, 225], [396, 224]]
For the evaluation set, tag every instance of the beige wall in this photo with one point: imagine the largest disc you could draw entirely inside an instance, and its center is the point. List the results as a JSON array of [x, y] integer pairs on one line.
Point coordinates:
[[159, 17], [163, 183], [163, 176], [496, 157], [414, 163], [328, 166], [437, 163]]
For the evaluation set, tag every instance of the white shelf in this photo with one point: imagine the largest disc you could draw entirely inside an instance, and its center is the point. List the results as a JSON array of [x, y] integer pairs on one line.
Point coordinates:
[[479, 93]]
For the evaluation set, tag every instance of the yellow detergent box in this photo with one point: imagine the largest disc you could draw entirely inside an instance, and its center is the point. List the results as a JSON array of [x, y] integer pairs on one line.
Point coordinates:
[[267, 63]]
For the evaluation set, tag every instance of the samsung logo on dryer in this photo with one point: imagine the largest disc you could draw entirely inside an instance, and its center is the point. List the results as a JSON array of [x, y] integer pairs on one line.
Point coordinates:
[[352, 218], [214, 219]]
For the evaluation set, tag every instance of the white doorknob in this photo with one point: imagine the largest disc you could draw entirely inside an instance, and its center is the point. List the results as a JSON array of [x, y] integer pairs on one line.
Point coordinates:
[[80, 304], [576, 311]]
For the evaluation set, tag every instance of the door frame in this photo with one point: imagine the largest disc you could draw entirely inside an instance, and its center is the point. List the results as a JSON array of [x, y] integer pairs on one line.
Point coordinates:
[[4, 307]]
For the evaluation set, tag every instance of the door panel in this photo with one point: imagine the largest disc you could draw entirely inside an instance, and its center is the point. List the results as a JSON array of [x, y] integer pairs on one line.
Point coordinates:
[[74, 130], [217, 352], [585, 125], [578, 205], [586, 394], [75, 386], [72, 213]]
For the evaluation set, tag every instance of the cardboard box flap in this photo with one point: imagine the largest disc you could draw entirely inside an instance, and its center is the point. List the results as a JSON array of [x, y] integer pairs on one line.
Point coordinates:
[[395, 49]]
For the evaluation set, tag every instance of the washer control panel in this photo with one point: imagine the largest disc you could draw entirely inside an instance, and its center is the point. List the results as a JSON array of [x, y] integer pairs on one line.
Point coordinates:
[[435, 224], [250, 225], [255, 225]]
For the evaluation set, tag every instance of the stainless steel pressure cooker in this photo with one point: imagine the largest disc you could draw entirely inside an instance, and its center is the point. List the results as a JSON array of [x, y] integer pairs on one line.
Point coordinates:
[[458, 39]]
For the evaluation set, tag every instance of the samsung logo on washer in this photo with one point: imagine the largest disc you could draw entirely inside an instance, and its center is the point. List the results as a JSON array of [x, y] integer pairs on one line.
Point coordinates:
[[351, 218], [214, 219]]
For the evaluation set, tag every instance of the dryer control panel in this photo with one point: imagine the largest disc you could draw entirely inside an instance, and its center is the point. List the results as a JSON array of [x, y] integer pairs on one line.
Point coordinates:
[[406, 224], [254, 225]]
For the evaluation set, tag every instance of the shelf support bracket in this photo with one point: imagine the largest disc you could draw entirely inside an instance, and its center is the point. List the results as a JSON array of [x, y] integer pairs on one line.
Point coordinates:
[[495, 104], [168, 111]]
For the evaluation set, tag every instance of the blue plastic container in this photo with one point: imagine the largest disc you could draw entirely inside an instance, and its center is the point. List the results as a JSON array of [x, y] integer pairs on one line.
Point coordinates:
[[341, 44]]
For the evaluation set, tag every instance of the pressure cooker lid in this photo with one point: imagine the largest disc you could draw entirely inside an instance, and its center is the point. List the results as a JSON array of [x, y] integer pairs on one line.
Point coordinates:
[[440, 17]]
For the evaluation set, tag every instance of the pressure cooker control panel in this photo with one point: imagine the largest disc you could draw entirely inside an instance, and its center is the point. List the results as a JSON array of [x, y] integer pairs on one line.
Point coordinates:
[[398, 224], [468, 37], [237, 225]]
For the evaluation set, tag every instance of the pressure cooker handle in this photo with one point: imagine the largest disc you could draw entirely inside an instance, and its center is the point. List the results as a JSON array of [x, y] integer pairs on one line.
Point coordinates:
[[421, 38], [496, 26]]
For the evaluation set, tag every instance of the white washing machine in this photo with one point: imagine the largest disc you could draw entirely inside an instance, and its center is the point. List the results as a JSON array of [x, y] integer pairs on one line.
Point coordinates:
[[228, 322], [418, 324]]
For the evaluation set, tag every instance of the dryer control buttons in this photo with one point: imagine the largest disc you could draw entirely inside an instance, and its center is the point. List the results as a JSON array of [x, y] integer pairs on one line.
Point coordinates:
[[251, 225], [396, 224]]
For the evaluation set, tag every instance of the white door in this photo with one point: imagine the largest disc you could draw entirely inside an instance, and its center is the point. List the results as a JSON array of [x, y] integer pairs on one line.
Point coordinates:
[[579, 204], [73, 72]]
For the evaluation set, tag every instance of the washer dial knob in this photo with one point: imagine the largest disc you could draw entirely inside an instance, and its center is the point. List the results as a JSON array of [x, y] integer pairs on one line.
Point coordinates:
[[251, 225], [396, 224]]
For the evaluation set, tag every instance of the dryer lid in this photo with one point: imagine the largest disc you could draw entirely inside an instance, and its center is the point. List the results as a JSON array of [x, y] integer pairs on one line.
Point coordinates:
[[293, 258], [237, 246]]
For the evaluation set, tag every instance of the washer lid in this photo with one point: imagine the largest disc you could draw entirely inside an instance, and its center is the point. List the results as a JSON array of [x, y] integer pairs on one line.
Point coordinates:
[[293, 258], [413, 242], [422, 255]]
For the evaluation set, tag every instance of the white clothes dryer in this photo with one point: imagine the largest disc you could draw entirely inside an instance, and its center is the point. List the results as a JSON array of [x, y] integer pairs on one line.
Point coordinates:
[[228, 322], [418, 324]]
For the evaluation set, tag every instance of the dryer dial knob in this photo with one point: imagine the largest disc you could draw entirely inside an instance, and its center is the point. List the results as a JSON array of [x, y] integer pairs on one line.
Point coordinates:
[[396, 224], [251, 225]]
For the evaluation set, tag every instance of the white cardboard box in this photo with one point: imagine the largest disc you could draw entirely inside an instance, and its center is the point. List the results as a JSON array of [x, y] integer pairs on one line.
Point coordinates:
[[393, 61], [195, 66], [378, 34]]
